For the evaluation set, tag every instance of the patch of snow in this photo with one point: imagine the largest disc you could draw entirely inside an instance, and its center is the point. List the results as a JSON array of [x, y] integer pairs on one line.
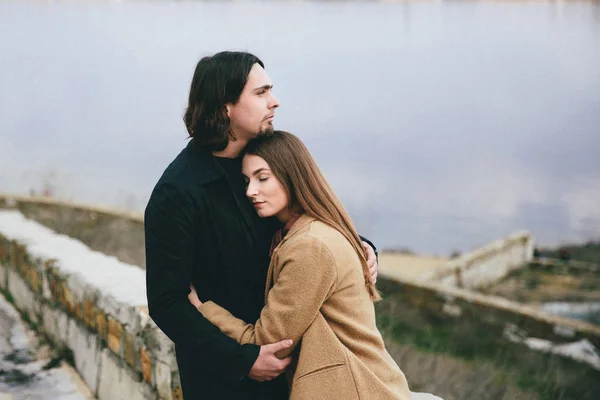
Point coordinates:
[[125, 282], [24, 378], [582, 350]]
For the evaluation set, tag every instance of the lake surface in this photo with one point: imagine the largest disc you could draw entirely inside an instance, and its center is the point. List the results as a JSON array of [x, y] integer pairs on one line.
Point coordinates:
[[586, 311], [441, 125]]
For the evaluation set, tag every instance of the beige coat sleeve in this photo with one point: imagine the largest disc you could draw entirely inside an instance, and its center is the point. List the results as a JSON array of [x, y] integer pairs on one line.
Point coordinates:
[[307, 277]]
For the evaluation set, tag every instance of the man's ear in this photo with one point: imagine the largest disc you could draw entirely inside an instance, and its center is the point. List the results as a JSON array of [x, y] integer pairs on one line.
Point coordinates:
[[228, 109]]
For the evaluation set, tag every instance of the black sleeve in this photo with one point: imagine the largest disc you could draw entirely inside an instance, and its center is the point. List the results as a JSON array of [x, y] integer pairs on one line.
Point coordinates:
[[364, 239], [170, 228]]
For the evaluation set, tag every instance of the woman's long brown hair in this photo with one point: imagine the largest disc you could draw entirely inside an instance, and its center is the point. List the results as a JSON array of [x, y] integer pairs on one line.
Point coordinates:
[[307, 189]]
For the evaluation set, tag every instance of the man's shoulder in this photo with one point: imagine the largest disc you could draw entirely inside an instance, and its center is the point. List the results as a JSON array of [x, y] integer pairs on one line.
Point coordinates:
[[195, 165], [177, 180], [178, 173]]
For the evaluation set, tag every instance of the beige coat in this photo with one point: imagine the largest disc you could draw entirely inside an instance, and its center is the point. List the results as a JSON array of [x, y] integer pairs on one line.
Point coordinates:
[[316, 296]]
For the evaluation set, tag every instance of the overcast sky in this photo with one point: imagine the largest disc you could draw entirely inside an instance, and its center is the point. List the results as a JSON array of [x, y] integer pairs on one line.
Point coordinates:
[[441, 126]]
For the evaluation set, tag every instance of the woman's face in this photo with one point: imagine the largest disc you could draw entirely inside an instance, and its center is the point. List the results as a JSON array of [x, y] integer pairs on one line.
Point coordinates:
[[264, 190]]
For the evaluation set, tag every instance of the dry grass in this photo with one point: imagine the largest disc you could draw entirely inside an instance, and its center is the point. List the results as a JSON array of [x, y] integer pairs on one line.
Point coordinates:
[[534, 285], [453, 378]]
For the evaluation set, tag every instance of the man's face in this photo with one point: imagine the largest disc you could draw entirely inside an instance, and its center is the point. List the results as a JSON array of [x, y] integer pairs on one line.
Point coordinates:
[[254, 112]]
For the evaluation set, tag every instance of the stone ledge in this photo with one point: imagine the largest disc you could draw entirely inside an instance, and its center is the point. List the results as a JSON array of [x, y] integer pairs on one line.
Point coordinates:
[[107, 338], [112, 232]]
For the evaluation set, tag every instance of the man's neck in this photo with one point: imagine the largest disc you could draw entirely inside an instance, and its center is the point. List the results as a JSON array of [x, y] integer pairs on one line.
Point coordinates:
[[233, 149]]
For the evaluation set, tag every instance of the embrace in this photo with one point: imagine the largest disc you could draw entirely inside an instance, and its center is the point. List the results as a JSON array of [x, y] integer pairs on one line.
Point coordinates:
[[254, 268]]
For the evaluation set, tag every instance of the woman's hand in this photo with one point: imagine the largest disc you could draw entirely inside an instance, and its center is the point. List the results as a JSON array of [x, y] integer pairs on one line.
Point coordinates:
[[193, 297]]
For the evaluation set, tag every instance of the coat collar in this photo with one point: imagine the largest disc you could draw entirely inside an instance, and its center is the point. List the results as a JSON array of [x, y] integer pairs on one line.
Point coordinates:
[[300, 223], [206, 168]]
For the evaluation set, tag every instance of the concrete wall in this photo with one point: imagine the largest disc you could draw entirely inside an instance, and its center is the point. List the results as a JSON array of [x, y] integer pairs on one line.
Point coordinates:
[[450, 304], [111, 232], [117, 349], [122, 235], [486, 265], [121, 354]]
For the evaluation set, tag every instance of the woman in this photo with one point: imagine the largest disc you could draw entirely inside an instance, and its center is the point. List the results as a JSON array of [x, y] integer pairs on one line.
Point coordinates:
[[319, 292]]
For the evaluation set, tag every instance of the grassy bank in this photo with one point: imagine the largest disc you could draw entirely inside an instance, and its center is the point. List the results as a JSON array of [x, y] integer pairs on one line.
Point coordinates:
[[589, 252], [490, 366]]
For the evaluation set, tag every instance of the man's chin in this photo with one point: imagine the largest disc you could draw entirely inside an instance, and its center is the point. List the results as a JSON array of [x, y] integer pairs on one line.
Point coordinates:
[[266, 132]]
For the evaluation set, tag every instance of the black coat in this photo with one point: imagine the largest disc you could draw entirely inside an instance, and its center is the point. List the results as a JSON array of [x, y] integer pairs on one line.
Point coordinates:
[[201, 229]]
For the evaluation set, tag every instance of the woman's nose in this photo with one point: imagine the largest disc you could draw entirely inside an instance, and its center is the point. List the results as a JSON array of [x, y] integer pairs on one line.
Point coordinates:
[[251, 190]]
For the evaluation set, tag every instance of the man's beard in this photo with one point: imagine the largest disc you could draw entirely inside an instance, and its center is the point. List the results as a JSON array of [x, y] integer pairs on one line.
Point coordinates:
[[267, 131]]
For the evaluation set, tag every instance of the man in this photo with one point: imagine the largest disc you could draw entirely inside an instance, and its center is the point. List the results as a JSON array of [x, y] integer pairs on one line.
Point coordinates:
[[201, 230]]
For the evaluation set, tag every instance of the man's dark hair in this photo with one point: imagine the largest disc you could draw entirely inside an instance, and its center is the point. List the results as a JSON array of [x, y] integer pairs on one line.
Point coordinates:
[[218, 80]]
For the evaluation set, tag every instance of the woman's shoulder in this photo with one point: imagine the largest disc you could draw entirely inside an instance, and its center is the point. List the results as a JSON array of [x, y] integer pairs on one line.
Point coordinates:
[[324, 232], [319, 234]]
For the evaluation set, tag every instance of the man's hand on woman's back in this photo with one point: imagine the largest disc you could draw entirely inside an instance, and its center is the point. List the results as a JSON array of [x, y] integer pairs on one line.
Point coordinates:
[[371, 260]]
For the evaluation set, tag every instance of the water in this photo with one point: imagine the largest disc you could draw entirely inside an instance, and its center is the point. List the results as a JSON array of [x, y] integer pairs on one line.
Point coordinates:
[[585, 311], [442, 125]]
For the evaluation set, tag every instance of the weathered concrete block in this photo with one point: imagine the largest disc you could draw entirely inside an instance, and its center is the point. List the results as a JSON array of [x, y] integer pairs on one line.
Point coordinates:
[[4, 249], [78, 310], [162, 373], [87, 353], [3, 275], [17, 255], [130, 316], [89, 313], [46, 293], [115, 330], [177, 391], [23, 297], [162, 347], [67, 300], [146, 364], [117, 382], [32, 275], [55, 324], [101, 324], [130, 350]]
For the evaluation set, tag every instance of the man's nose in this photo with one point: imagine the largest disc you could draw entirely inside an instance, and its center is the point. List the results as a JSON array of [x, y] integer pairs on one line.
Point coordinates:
[[274, 102]]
